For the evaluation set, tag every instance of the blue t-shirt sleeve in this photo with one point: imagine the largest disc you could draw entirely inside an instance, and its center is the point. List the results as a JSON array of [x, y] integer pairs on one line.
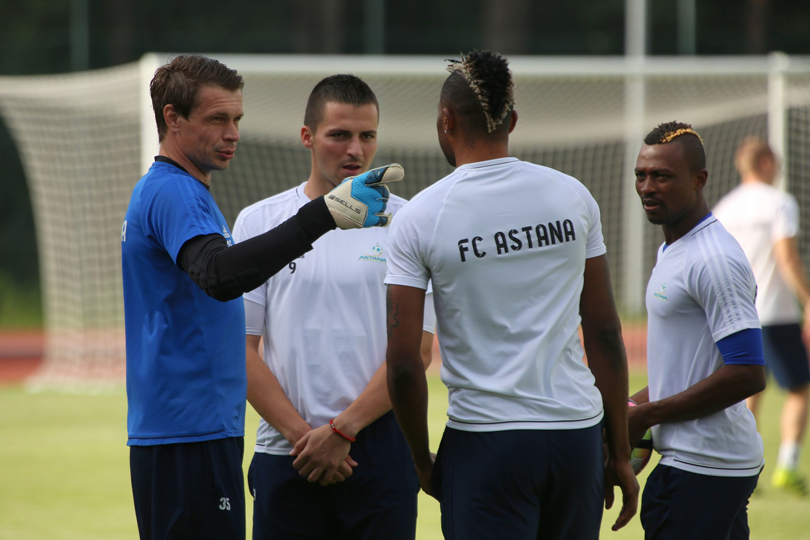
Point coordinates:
[[179, 212], [743, 347]]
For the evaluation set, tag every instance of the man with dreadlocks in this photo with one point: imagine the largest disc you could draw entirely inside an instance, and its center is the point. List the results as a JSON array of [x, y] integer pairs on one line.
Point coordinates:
[[516, 256], [704, 353]]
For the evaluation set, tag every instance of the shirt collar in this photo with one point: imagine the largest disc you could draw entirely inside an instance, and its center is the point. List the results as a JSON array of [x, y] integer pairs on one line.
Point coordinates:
[[488, 163]]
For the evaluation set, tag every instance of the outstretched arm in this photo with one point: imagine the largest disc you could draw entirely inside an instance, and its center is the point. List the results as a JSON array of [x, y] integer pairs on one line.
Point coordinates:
[[224, 272], [601, 330], [407, 384]]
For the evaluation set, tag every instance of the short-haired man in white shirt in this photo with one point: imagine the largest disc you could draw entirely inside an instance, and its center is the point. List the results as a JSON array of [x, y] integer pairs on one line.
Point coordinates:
[[704, 353], [765, 221], [517, 260], [321, 387]]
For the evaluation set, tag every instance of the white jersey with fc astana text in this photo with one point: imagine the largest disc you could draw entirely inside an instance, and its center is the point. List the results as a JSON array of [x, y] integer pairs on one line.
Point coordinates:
[[504, 243], [701, 291], [758, 215], [323, 318]]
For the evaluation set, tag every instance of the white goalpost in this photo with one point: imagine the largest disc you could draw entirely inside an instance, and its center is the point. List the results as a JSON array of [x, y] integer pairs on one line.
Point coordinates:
[[86, 138]]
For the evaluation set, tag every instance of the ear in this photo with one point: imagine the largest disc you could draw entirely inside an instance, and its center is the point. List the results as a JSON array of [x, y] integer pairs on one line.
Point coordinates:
[[700, 178], [306, 137], [513, 121], [171, 117], [448, 120]]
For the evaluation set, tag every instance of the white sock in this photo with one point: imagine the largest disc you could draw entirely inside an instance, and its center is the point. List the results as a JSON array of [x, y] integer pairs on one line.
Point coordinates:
[[789, 453]]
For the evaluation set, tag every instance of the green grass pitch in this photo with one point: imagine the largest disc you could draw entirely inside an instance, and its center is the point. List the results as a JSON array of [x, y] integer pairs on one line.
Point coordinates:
[[65, 476]]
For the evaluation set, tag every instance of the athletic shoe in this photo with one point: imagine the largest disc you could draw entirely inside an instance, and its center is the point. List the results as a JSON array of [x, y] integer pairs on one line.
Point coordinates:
[[789, 480]]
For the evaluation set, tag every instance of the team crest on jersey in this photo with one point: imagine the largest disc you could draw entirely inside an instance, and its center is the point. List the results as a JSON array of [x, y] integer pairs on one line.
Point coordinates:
[[662, 293], [376, 254]]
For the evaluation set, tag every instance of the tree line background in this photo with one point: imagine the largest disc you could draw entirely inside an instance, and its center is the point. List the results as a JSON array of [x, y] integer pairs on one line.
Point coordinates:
[[43, 36]]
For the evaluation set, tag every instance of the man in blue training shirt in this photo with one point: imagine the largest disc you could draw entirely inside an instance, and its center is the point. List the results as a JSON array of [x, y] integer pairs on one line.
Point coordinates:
[[185, 324]]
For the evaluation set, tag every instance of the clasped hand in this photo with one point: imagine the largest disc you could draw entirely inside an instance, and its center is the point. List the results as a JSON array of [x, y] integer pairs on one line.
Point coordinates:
[[323, 456]]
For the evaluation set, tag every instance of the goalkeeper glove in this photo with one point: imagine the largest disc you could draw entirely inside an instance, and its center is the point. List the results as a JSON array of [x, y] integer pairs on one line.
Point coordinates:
[[359, 201]]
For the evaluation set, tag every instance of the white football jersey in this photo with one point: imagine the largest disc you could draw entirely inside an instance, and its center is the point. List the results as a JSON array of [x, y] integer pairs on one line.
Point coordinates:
[[504, 243], [701, 291], [324, 316], [758, 215]]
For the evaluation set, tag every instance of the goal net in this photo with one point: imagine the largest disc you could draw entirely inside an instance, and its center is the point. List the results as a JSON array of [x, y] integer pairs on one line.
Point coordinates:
[[86, 138]]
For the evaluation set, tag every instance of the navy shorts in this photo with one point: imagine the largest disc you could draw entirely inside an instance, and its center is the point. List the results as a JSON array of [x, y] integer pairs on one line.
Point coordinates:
[[379, 499], [520, 484], [680, 504], [786, 355], [189, 490]]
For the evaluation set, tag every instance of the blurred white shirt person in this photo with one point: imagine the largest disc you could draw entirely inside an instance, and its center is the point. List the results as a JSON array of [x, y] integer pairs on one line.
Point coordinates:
[[765, 221]]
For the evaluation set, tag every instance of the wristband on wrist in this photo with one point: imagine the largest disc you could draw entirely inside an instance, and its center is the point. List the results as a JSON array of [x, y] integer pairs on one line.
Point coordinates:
[[631, 403], [336, 430]]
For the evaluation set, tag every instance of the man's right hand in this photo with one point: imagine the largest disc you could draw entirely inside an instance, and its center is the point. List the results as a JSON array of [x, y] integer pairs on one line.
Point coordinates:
[[424, 471], [323, 456], [360, 200], [620, 473]]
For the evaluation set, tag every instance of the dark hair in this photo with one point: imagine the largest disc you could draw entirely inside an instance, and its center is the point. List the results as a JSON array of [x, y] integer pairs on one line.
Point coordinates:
[[178, 82], [688, 138], [482, 91], [341, 89]]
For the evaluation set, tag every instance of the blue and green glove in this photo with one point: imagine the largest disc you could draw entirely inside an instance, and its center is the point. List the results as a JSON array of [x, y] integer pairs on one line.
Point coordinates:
[[359, 201]]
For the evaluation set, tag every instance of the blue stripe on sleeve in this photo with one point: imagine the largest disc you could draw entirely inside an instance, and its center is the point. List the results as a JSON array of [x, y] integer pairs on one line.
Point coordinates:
[[743, 347]]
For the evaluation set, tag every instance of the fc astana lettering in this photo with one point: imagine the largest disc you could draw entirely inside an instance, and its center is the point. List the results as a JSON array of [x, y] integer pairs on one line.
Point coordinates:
[[539, 236]]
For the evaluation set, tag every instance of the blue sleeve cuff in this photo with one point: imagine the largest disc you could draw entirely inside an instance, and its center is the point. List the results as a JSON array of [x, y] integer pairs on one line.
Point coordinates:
[[744, 347]]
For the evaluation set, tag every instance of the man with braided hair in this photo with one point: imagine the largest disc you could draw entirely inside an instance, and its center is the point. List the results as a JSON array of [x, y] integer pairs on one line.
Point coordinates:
[[517, 261], [704, 353]]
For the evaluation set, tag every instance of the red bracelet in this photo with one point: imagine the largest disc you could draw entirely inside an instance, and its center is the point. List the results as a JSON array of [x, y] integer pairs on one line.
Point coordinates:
[[336, 430]]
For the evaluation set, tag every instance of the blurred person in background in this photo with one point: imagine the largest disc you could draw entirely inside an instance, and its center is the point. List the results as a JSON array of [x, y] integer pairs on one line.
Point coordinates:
[[765, 221]]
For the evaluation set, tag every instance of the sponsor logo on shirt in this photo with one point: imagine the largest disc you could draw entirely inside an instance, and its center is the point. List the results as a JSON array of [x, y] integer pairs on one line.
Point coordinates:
[[661, 294], [376, 255]]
